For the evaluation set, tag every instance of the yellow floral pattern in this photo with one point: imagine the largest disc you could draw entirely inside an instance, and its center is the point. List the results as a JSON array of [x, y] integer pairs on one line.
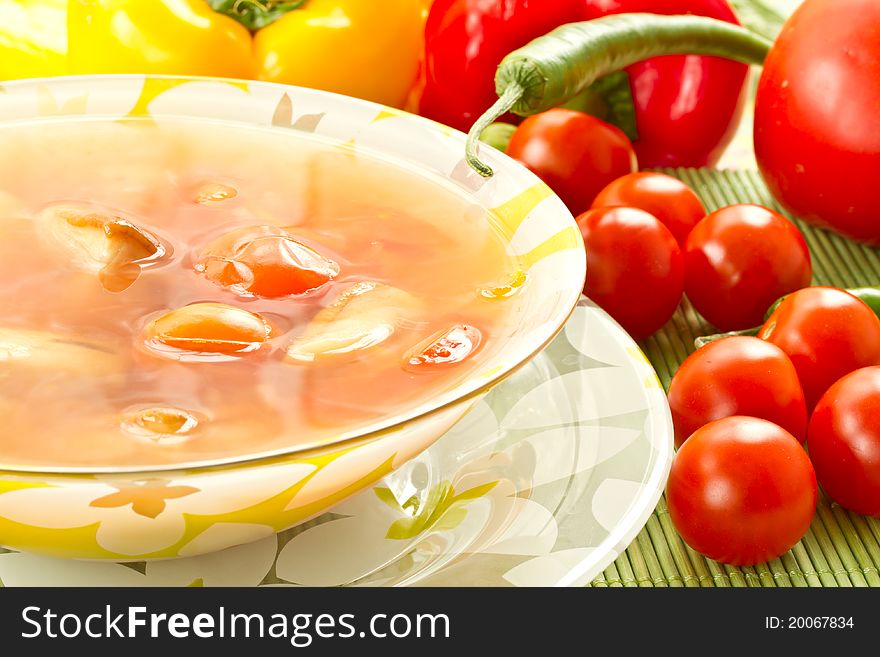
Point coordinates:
[[147, 498]]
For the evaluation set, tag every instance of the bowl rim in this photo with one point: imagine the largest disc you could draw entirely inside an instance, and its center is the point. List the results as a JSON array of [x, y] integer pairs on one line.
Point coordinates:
[[378, 429]]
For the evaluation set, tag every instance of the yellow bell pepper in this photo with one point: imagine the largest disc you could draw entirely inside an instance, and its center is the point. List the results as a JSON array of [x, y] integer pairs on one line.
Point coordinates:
[[173, 37], [33, 38], [355, 47]]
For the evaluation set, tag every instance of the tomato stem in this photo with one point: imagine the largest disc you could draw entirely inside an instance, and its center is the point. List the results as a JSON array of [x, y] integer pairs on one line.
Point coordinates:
[[554, 68], [870, 296], [703, 340]]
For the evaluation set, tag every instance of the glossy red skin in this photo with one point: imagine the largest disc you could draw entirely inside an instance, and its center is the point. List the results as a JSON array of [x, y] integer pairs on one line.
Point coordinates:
[[465, 40], [827, 333], [667, 198], [687, 108], [739, 260], [845, 441], [741, 491], [635, 269], [574, 153], [817, 124], [737, 376]]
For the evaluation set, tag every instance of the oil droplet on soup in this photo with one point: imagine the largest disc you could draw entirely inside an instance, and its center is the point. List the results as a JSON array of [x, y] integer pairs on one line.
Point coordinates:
[[214, 192], [160, 423], [271, 289]]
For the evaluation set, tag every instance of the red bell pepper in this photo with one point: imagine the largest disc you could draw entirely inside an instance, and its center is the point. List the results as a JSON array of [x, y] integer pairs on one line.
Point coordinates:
[[465, 40], [686, 108]]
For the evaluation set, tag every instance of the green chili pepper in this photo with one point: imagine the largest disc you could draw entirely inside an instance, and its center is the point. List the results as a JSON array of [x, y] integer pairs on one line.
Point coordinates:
[[554, 68], [869, 295]]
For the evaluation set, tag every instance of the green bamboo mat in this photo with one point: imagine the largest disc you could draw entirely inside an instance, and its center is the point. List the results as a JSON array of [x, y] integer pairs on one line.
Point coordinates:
[[841, 548]]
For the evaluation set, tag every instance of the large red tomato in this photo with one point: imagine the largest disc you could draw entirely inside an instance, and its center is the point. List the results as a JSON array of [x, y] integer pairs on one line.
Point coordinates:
[[817, 124], [845, 441], [741, 490], [737, 376], [827, 333]]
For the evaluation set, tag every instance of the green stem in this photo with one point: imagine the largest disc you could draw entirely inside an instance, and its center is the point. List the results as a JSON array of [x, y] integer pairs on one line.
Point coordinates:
[[869, 295], [255, 14], [703, 340], [507, 100], [554, 68]]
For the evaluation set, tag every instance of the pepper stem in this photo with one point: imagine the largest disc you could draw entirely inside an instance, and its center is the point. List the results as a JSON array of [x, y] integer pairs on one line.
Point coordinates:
[[554, 68], [508, 99], [255, 14]]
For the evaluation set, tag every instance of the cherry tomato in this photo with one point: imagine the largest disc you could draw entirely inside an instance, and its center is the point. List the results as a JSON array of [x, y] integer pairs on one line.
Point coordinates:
[[737, 376], [574, 153], [817, 128], [741, 491], [827, 333], [264, 261], [635, 269], [739, 260], [845, 441], [667, 198]]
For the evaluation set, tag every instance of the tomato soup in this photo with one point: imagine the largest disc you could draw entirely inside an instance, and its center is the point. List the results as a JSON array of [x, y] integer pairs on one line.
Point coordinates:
[[182, 291]]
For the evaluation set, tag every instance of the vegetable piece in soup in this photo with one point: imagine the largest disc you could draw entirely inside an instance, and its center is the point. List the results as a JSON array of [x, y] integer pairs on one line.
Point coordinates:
[[363, 317], [100, 240], [265, 261], [205, 329]]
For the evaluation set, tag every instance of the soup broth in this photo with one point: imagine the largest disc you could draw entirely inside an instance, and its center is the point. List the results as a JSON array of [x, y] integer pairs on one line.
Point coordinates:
[[177, 291]]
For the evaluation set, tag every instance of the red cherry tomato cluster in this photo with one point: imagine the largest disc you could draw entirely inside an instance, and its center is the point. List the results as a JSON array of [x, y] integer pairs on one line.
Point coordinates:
[[647, 236], [742, 489], [633, 237], [741, 485]]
